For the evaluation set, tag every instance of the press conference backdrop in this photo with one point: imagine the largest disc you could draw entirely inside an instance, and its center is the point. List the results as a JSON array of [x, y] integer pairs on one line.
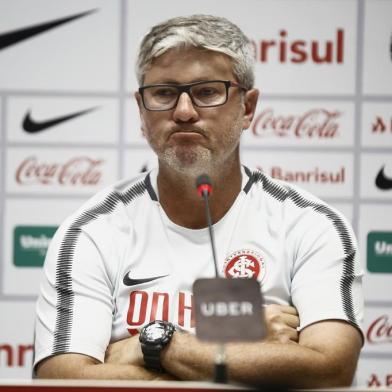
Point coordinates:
[[69, 126]]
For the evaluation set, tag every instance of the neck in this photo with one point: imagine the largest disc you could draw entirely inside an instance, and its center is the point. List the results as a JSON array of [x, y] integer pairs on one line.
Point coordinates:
[[182, 204]]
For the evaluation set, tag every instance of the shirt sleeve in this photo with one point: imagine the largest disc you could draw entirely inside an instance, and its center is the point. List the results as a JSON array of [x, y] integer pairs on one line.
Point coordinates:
[[75, 306], [326, 274]]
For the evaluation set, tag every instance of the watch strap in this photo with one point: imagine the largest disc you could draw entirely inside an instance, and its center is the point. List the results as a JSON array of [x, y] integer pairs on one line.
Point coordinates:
[[152, 357], [152, 351]]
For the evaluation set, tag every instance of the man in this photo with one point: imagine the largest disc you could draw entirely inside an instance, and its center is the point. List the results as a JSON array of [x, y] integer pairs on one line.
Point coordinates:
[[132, 253]]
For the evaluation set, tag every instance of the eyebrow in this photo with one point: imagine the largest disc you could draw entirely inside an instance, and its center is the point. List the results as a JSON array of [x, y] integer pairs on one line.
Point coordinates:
[[172, 81]]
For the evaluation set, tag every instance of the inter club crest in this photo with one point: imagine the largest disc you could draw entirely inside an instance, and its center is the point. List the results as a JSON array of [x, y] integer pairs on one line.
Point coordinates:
[[244, 264]]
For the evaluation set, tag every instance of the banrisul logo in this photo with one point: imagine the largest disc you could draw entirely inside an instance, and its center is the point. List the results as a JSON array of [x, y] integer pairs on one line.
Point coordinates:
[[31, 244], [379, 251]]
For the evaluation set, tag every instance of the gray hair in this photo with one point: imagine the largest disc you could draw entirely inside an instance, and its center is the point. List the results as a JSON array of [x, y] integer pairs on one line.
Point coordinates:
[[202, 31]]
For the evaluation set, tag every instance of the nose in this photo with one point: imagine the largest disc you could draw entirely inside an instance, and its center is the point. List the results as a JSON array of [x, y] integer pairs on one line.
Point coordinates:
[[185, 111]]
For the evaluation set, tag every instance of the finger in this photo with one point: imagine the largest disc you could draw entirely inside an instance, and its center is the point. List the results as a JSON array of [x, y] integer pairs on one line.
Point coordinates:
[[285, 335], [288, 309], [274, 309], [293, 335], [290, 320], [274, 313]]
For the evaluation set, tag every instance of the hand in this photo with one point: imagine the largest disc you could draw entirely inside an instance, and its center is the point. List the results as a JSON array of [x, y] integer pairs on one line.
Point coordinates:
[[282, 322], [125, 352], [165, 377]]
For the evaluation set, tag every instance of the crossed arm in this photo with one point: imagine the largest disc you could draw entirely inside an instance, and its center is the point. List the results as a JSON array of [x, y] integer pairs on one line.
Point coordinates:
[[322, 355], [325, 356]]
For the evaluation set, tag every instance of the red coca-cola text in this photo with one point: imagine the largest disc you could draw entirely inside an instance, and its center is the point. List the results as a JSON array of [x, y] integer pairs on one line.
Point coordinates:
[[75, 172], [315, 123], [380, 331]]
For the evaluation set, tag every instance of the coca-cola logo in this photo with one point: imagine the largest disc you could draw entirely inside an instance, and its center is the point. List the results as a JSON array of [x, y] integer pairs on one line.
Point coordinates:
[[313, 124], [380, 331], [78, 171]]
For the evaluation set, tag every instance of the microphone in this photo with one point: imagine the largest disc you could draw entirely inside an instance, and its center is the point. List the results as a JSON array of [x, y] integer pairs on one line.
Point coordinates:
[[203, 185], [204, 189], [214, 298]]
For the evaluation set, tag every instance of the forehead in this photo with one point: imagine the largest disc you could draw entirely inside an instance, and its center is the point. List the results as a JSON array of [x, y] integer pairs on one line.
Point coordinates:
[[188, 65]]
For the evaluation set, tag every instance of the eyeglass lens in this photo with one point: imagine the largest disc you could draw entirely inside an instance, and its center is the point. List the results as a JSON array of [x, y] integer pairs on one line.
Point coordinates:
[[203, 94]]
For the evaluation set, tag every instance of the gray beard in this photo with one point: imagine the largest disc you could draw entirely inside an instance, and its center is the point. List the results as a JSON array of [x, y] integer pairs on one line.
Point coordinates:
[[191, 163], [198, 160]]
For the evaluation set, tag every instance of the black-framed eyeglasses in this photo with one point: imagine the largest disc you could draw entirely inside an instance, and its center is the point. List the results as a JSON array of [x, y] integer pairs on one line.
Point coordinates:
[[204, 94]]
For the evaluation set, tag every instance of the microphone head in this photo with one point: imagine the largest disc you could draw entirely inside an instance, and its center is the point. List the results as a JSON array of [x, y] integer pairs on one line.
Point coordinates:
[[203, 179], [203, 185]]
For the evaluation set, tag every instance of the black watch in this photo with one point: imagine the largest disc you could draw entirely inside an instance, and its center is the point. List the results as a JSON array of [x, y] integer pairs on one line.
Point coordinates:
[[153, 338]]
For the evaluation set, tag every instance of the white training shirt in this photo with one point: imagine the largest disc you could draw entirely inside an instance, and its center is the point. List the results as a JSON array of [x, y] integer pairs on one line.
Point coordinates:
[[119, 262]]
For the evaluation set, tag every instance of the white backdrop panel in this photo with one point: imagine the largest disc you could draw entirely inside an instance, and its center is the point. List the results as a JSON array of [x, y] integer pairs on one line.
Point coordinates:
[[324, 122], [17, 337], [301, 124], [315, 23], [377, 124], [67, 57], [60, 171], [375, 218], [95, 121], [377, 76], [372, 372], [324, 174], [371, 165], [378, 330], [19, 280]]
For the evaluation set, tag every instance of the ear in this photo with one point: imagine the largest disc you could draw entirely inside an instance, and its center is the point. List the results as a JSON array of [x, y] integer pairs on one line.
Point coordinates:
[[138, 100], [141, 109], [250, 102]]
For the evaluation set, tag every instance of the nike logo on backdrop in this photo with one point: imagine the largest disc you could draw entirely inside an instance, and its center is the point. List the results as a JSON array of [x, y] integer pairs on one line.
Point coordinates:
[[32, 126], [133, 282], [382, 181], [15, 36]]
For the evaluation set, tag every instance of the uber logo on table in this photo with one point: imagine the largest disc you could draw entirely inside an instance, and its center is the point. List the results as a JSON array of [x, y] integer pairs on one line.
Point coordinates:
[[379, 251], [229, 310], [31, 244]]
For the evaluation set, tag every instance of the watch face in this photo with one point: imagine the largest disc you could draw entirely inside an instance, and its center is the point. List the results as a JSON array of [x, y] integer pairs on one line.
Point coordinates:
[[154, 332]]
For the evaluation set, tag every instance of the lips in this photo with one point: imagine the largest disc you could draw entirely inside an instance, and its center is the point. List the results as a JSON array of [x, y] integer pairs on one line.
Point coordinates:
[[187, 132], [187, 137]]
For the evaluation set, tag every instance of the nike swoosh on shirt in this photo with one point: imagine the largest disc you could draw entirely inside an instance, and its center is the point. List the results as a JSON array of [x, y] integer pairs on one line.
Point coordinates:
[[133, 282], [32, 126], [15, 36], [382, 181]]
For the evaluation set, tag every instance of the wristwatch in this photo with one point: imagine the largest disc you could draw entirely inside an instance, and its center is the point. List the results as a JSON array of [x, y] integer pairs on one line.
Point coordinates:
[[153, 338]]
